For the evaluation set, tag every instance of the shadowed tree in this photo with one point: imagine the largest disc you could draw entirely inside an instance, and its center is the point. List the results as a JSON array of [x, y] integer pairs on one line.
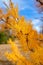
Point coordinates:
[[40, 7]]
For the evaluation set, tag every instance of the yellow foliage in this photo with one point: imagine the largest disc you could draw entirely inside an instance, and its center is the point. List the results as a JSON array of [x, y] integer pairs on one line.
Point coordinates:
[[16, 56], [37, 56], [31, 42]]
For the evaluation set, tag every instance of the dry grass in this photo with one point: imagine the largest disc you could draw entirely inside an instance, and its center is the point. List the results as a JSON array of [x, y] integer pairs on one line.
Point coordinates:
[[3, 49]]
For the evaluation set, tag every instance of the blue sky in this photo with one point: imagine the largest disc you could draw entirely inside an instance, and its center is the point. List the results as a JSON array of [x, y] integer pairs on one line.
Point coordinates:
[[27, 9]]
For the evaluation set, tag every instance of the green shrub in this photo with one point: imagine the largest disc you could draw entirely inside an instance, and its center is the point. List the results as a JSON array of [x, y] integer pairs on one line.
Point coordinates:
[[3, 38]]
